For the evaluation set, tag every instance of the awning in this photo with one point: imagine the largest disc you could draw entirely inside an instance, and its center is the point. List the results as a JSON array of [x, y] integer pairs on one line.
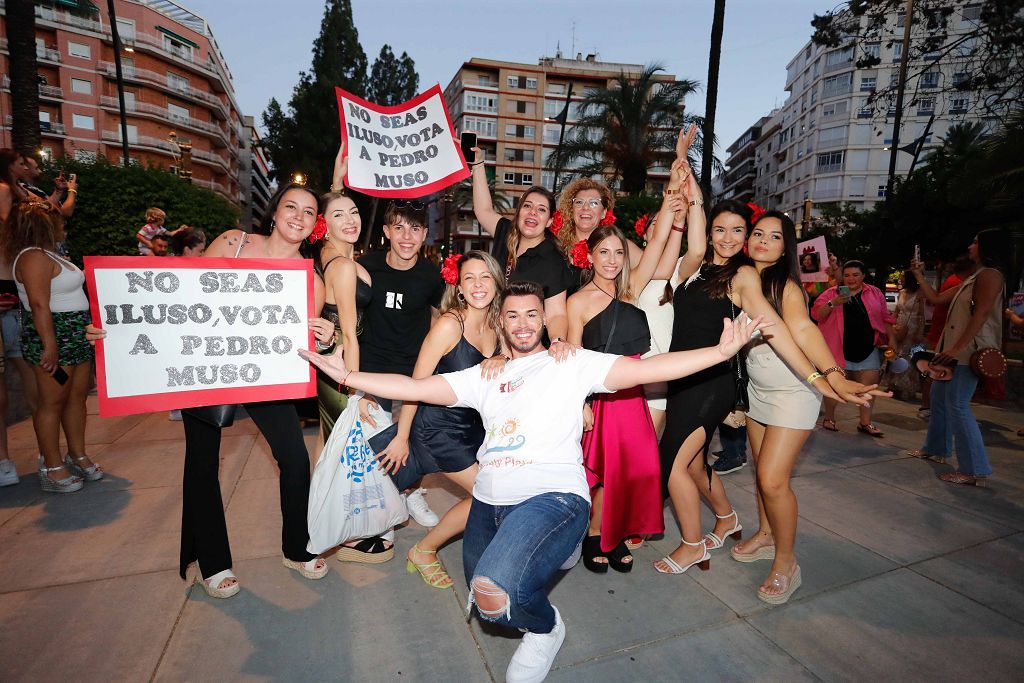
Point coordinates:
[[177, 37], [80, 5]]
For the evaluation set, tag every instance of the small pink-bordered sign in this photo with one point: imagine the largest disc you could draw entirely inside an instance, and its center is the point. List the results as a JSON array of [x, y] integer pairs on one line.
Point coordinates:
[[403, 151], [188, 332]]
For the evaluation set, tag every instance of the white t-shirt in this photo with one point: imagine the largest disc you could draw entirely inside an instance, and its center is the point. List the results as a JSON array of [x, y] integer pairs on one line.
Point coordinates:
[[533, 417]]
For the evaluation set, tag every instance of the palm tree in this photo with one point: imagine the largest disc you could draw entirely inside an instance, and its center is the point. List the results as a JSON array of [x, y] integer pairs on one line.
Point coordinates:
[[711, 103], [626, 128], [462, 197], [21, 37]]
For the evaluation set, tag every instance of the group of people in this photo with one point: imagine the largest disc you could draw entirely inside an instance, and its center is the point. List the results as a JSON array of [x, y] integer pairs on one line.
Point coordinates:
[[156, 240], [569, 381]]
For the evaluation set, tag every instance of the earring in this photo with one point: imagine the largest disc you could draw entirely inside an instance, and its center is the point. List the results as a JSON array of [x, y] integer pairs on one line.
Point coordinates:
[[460, 297], [273, 224]]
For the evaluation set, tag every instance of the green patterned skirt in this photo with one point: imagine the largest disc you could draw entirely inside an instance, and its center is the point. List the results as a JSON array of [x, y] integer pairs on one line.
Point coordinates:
[[72, 346]]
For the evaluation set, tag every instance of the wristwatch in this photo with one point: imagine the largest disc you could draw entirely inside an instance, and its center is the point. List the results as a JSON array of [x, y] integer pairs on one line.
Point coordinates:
[[829, 303], [557, 339]]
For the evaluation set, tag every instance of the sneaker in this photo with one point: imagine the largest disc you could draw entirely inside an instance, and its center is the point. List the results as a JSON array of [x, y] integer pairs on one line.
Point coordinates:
[[924, 413], [419, 510], [8, 473], [536, 653], [729, 463]]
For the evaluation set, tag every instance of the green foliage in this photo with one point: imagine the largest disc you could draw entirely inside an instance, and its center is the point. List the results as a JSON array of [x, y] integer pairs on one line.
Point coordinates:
[[629, 208], [392, 80], [112, 203], [626, 128]]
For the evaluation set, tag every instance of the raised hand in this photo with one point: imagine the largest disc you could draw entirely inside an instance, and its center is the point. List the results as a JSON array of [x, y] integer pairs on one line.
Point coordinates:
[[333, 366], [737, 333], [685, 141], [854, 392], [323, 330], [340, 169]]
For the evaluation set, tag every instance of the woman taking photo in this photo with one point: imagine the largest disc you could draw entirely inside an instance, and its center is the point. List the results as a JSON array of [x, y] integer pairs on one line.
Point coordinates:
[[783, 407], [56, 310], [974, 322], [620, 451], [432, 438], [721, 287], [855, 321], [523, 247], [908, 332]]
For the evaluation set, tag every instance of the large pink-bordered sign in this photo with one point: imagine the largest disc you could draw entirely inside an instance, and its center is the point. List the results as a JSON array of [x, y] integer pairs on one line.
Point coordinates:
[[188, 332], [404, 151]]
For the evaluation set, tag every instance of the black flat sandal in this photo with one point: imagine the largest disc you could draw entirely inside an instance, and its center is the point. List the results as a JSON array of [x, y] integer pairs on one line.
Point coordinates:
[[591, 552], [620, 559], [373, 550]]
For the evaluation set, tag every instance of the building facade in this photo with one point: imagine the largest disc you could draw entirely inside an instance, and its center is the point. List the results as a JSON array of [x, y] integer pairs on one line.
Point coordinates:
[[512, 108], [177, 88], [254, 177], [831, 140], [738, 179]]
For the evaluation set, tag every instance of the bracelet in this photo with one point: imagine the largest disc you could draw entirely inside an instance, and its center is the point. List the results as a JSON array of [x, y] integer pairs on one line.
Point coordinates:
[[699, 201], [71, 189], [340, 190], [681, 228], [324, 347], [343, 382], [834, 368], [671, 191], [811, 378]]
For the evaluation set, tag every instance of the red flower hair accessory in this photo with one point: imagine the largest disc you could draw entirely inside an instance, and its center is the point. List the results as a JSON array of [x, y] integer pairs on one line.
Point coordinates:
[[609, 218], [579, 254], [556, 222], [641, 224], [450, 269], [756, 214], [319, 229]]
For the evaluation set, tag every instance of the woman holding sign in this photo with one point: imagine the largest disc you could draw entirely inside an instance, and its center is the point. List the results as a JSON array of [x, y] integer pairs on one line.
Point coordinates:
[[289, 221]]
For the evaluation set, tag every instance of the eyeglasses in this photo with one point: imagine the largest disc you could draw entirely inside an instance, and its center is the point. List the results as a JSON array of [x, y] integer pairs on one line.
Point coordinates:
[[592, 203], [413, 204]]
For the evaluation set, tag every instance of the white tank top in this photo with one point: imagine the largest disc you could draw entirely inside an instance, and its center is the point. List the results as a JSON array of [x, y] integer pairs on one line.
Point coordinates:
[[66, 293]]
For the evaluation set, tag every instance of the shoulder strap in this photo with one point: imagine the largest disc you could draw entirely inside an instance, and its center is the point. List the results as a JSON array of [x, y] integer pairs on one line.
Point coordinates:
[[241, 244], [611, 331]]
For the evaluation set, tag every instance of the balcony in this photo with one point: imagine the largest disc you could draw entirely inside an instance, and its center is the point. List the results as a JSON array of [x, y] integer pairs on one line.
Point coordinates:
[[210, 158], [219, 135], [865, 112], [61, 17], [51, 92], [141, 141], [160, 81], [47, 54], [149, 42], [211, 185], [51, 129]]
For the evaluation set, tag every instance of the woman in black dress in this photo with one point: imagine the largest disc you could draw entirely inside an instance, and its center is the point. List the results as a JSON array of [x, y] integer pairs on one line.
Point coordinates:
[[724, 285], [437, 439]]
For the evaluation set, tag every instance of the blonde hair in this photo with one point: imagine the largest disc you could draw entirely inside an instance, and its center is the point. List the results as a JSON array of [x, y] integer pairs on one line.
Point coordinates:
[[567, 235], [451, 303], [154, 214], [623, 290], [31, 224]]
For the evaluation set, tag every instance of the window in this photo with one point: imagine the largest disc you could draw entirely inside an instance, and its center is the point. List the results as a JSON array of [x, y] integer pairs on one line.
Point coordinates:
[[832, 136], [511, 178], [82, 86], [531, 83], [178, 112], [85, 156], [79, 50], [834, 109], [881, 191], [521, 107], [556, 88], [830, 162], [897, 51], [858, 186], [84, 122], [959, 105], [901, 18], [828, 187], [868, 83], [517, 131], [482, 103], [926, 106], [837, 85], [873, 50], [961, 79], [125, 29], [522, 82], [527, 179], [930, 79], [486, 81], [516, 154], [547, 178], [551, 133], [838, 59], [177, 48], [133, 134], [177, 82], [972, 13], [485, 127]]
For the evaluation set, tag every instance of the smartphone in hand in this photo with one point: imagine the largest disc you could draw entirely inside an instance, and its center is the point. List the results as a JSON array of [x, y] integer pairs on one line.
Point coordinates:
[[468, 142], [843, 290], [61, 376], [917, 252]]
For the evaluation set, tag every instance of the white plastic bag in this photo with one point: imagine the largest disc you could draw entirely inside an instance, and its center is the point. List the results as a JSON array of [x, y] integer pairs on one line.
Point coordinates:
[[349, 496]]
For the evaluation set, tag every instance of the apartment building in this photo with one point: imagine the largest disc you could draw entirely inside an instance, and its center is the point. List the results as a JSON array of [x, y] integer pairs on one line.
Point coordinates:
[[512, 107], [177, 88], [738, 179], [831, 140], [254, 177]]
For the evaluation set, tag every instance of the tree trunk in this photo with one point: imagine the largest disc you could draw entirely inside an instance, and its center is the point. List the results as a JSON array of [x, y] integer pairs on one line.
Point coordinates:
[[714, 58], [21, 41], [634, 178]]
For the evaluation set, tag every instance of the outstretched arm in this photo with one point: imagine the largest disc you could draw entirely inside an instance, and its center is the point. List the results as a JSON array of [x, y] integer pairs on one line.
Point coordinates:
[[629, 372], [483, 205], [434, 389]]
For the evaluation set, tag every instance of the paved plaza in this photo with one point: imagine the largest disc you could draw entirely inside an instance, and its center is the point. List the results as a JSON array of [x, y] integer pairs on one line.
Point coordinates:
[[905, 578]]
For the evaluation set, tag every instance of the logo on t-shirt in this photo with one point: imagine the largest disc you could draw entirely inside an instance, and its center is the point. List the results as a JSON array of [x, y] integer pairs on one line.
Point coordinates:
[[510, 386], [393, 300]]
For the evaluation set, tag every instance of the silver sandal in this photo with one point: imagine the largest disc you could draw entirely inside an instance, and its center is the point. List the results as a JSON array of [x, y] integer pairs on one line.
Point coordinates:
[[90, 473], [68, 484]]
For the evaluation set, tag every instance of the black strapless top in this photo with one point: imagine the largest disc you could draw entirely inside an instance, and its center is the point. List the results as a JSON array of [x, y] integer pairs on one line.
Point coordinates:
[[632, 333], [363, 295], [698, 317]]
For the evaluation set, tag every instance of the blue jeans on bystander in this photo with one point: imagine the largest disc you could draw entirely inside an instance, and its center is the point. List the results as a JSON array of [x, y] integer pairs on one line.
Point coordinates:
[[952, 419], [519, 548]]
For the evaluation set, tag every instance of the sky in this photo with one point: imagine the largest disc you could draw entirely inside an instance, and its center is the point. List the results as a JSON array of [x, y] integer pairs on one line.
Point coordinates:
[[268, 42]]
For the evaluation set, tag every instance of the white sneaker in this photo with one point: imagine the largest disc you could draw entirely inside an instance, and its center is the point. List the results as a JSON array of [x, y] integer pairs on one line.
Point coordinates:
[[419, 510], [533, 658], [8, 473]]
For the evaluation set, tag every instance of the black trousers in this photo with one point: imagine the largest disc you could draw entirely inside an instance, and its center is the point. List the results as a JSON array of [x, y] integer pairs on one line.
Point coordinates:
[[204, 532]]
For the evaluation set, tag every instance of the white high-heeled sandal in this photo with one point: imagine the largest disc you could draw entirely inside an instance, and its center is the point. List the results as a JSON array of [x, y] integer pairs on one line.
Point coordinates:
[[212, 584], [734, 533], [704, 561], [308, 569], [68, 484], [90, 473]]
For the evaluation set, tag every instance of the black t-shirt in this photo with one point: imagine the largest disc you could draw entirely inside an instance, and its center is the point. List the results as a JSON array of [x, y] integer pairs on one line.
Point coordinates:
[[543, 264], [397, 319], [858, 335]]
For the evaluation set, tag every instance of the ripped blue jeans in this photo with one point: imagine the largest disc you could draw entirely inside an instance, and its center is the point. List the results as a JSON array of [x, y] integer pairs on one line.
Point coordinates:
[[519, 548]]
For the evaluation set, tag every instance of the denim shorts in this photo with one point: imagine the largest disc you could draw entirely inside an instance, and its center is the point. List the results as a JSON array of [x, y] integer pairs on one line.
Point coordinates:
[[872, 362], [11, 325]]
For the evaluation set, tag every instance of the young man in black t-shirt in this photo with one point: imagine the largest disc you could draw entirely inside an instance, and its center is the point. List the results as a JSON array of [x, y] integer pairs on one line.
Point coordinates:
[[407, 293]]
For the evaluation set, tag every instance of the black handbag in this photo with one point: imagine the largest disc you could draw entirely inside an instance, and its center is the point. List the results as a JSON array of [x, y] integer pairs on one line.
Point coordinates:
[[739, 361], [216, 416]]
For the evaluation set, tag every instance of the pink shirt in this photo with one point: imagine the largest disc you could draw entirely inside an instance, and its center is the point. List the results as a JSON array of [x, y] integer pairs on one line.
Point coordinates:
[[832, 326]]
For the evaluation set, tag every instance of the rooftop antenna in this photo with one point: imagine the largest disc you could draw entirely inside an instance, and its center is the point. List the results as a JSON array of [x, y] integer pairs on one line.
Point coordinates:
[[573, 51]]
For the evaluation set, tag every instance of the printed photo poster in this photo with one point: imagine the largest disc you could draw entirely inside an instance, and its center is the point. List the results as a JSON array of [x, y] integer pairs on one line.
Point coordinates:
[[188, 332], [1016, 304], [405, 151], [813, 262]]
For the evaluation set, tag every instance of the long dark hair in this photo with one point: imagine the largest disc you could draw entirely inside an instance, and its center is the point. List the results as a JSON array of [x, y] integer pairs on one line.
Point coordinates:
[[8, 157], [994, 249], [787, 269], [513, 237], [717, 278], [623, 292], [266, 225]]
